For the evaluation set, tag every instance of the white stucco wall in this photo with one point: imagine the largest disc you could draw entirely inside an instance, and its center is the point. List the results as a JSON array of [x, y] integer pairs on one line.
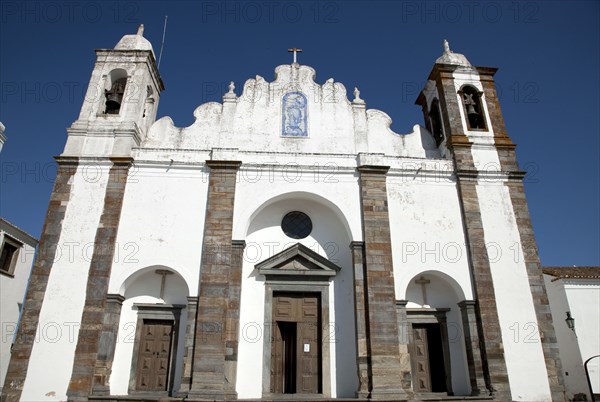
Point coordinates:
[[162, 222], [12, 292], [60, 316], [426, 229]]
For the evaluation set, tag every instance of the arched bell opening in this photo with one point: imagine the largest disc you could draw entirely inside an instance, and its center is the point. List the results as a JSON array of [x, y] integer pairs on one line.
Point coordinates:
[[435, 118], [114, 91], [472, 107]]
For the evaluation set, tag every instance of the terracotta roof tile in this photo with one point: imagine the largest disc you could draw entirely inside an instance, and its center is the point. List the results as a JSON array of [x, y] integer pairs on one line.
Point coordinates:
[[573, 272]]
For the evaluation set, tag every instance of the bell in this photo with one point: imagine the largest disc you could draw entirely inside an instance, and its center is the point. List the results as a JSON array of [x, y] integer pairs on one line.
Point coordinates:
[[471, 110], [113, 103]]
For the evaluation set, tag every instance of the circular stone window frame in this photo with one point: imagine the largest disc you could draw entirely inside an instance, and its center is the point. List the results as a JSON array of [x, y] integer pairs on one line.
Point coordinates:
[[296, 230]]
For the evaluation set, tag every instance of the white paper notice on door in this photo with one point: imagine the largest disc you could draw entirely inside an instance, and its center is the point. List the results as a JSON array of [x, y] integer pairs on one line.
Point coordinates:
[[307, 347]]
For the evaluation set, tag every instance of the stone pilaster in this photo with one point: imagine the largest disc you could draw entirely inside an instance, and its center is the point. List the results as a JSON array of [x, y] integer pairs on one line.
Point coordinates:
[[44, 259], [233, 315], [404, 327], [361, 319], [188, 352], [379, 285], [108, 340], [488, 324], [474, 361], [88, 342], [208, 370]]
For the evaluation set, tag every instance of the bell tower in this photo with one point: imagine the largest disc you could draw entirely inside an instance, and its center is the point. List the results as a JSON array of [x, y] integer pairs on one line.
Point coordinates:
[[121, 100], [462, 111]]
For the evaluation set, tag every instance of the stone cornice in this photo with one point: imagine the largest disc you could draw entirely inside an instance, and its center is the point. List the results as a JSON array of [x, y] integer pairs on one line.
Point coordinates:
[[228, 165], [123, 161], [382, 170]]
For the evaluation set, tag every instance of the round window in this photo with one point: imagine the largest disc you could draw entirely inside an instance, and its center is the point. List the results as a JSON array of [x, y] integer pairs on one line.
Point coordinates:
[[296, 225]]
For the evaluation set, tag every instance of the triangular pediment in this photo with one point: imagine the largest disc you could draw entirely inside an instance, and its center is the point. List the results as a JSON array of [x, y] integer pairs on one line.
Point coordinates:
[[297, 261]]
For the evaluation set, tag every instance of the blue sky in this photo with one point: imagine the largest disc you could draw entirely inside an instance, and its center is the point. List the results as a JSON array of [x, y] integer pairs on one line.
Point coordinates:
[[547, 53]]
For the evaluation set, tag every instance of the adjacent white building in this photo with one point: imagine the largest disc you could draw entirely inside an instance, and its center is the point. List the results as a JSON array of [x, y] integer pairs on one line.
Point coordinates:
[[287, 242], [17, 250], [575, 292]]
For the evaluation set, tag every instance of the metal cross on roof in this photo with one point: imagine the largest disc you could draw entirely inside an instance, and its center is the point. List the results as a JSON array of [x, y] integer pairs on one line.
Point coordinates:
[[294, 50]]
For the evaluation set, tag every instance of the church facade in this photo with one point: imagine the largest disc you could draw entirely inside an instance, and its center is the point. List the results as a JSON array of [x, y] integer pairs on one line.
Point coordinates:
[[287, 242]]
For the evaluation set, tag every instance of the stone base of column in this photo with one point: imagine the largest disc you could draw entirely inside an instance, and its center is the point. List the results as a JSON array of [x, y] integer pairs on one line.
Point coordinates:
[[212, 395], [100, 390], [390, 395]]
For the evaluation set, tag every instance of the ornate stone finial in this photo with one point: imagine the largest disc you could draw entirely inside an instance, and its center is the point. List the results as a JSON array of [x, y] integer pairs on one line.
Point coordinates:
[[357, 98], [230, 95], [140, 30], [447, 47]]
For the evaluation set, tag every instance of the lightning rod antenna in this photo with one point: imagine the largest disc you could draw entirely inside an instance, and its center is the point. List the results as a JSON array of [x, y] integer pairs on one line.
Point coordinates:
[[163, 41]]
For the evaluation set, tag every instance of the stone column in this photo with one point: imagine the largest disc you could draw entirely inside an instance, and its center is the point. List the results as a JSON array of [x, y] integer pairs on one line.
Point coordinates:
[[361, 317], [233, 316], [469, 320], [108, 340], [380, 295], [404, 330], [38, 280], [188, 351], [88, 342], [208, 370]]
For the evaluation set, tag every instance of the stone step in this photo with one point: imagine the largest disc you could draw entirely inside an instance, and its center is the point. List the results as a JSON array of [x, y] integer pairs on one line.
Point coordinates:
[[288, 398]]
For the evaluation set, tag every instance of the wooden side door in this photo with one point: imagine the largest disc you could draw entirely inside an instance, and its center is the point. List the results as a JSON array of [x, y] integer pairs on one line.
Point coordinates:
[[308, 349], [154, 356], [420, 359]]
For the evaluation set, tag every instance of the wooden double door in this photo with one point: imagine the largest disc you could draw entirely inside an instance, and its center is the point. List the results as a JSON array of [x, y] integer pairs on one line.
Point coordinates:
[[296, 344], [154, 355]]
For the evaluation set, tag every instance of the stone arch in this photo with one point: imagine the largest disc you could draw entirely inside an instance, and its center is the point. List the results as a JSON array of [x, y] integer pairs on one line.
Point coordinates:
[[269, 199], [439, 278], [135, 277]]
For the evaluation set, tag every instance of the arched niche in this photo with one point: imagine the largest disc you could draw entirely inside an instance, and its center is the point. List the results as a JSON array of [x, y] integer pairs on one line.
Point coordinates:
[[436, 334], [155, 300]]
